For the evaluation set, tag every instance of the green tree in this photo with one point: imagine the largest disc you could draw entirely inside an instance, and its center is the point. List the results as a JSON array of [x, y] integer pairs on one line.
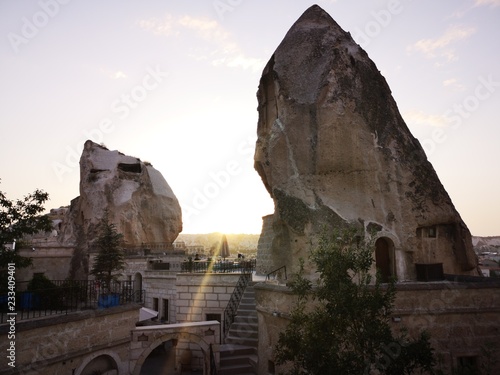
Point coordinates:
[[340, 324], [110, 259], [19, 218]]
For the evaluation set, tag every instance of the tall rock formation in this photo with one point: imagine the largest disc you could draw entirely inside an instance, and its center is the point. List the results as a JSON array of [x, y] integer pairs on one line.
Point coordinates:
[[333, 149], [138, 199]]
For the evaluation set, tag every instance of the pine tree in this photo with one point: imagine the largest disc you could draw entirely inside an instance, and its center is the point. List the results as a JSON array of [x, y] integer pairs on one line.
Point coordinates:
[[110, 259], [341, 324]]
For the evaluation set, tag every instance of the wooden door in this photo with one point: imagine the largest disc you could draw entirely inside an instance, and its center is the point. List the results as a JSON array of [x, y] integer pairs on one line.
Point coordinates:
[[383, 259]]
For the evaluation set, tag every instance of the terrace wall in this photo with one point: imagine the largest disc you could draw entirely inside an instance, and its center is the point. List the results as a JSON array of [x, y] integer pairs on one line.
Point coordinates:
[[463, 319], [68, 344]]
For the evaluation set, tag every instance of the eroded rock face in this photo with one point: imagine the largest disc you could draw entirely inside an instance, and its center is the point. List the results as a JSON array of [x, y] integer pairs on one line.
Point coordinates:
[[332, 149], [140, 202]]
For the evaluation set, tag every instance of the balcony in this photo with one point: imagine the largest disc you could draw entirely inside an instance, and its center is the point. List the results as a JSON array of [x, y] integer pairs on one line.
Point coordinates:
[[63, 297], [219, 266]]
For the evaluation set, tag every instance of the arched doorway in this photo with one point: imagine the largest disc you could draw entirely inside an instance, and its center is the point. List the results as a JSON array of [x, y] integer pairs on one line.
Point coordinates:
[[190, 353], [384, 258], [161, 360], [138, 287], [103, 364]]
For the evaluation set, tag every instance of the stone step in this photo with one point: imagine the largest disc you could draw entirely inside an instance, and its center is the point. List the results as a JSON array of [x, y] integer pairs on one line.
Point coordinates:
[[245, 325], [242, 340], [236, 370], [231, 349], [247, 300], [250, 319], [239, 353], [247, 313], [244, 330], [237, 359], [243, 333]]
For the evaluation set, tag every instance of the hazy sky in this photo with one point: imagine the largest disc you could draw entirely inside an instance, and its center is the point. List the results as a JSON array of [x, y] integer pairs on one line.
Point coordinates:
[[174, 83]]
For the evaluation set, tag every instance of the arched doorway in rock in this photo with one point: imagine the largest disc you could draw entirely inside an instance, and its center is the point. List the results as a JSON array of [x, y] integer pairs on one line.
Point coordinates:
[[384, 258], [138, 287], [161, 360], [103, 364]]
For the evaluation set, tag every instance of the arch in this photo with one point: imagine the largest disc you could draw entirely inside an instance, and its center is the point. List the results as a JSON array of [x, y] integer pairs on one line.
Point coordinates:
[[384, 258], [162, 359], [184, 336], [103, 361]]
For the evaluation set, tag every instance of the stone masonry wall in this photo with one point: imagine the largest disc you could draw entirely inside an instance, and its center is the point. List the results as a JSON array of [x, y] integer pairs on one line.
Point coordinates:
[[64, 344], [264, 258], [201, 294], [463, 319], [161, 285], [53, 262]]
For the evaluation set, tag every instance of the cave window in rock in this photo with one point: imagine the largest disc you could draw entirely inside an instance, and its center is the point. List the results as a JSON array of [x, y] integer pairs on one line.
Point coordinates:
[[133, 168], [432, 232], [384, 258]]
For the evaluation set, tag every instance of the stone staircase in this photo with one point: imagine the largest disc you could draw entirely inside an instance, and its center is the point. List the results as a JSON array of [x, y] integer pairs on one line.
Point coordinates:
[[238, 355]]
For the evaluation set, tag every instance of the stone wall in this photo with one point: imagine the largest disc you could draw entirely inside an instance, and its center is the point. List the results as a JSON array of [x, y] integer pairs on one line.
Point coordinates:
[[67, 344], [199, 294], [161, 286], [201, 297], [264, 256], [52, 261], [191, 344], [463, 319]]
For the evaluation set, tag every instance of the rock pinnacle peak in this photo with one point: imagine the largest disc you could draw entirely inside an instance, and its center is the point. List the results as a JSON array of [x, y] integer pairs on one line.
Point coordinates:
[[333, 150]]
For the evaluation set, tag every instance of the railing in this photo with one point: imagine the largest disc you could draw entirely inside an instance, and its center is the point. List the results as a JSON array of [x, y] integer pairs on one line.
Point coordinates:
[[213, 364], [234, 301], [276, 274], [196, 266], [63, 297]]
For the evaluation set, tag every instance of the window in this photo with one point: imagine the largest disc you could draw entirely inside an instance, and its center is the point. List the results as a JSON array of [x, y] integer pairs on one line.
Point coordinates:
[[467, 365], [432, 232], [164, 310], [270, 367], [155, 304], [214, 317]]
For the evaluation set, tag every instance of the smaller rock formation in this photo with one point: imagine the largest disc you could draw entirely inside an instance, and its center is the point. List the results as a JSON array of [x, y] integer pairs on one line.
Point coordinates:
[[138, 199]]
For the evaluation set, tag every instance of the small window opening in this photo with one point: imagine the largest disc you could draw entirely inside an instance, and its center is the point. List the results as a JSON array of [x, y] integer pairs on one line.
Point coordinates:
[[432, 232], [467, 365], [134, 168], [270, 367]]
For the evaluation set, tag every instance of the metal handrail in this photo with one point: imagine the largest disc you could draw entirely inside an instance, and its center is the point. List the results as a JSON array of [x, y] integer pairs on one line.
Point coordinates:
[[197, 266], [234, 301], [276, 272], [213, 365], [63, 297]]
